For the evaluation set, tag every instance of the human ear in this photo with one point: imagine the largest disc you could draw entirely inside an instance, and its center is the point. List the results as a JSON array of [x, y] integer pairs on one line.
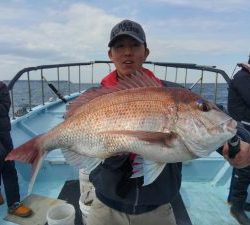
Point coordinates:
[[146, 52], [110, 54]]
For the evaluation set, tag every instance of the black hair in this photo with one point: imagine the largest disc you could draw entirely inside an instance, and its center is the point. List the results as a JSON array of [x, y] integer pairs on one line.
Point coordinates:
[[145, 43]]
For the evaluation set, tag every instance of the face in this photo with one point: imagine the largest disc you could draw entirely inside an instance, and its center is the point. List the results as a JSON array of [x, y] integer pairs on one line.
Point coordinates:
[[128, 55]]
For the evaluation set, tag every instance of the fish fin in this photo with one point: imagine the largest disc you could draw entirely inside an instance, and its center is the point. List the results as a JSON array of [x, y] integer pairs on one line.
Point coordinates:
[[81, 161], [35, 169], [151, 171], [137, 167], [29, 152], [84, 98], [152, 137], [137, 80]]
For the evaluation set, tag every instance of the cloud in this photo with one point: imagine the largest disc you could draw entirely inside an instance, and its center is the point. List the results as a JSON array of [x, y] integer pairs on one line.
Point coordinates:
[[34, 33], [68, 36], [211, 5], [73, 36], [77, 33]]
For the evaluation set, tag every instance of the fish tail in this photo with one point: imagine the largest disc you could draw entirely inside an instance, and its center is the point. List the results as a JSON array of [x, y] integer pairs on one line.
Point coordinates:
[[29, 152]]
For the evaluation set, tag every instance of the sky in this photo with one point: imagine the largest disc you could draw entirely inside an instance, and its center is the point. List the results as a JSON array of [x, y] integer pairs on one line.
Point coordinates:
[[206, 32]]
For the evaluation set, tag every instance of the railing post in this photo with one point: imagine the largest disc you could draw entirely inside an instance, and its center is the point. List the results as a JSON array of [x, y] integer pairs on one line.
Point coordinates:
[[68, 80], [79, 80], [92, 72], [43, 96], [12, 104], [28, 75], [201, 81], [166, 72], [216, 88], [185, 84], [176, 74], [58, 78]]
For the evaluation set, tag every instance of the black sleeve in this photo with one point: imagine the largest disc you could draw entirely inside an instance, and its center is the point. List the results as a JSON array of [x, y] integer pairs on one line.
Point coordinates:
[[239, 97], [242, 84], [4, 100], [243, 133]]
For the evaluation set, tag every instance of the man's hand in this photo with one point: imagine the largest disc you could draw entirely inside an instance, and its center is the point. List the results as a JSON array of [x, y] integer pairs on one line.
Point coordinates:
[[242, 158]]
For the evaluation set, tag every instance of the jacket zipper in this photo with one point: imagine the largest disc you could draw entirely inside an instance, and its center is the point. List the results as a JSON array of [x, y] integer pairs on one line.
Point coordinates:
[[136, 196]]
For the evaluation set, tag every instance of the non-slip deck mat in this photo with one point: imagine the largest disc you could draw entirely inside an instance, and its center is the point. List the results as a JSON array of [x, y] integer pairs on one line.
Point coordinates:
[[180, 212], [40, 205], [71, 193]]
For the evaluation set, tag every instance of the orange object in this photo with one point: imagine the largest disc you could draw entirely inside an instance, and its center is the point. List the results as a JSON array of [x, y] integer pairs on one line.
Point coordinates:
[[20, 210]]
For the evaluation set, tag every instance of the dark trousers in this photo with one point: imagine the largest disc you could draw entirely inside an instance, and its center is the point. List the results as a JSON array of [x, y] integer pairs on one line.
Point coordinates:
[[8, 172], [239, 185], [240, 177]]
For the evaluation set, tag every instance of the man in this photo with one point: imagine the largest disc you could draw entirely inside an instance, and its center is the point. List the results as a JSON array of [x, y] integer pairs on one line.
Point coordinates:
[[7, 168], [121, 199], [239, 109]]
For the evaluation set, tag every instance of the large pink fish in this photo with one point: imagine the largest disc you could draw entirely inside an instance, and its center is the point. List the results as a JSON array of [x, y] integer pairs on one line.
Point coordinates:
[[162, 125]]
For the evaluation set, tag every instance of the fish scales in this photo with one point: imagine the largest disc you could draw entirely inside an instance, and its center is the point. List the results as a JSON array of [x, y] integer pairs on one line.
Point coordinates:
[[139, 110]]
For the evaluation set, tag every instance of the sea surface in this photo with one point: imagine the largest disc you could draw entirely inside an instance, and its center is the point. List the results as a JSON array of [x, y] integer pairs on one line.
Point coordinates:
[[42, 92]]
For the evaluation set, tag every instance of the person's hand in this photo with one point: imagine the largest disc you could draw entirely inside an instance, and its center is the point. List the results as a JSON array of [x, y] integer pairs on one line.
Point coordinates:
[[242, 158]]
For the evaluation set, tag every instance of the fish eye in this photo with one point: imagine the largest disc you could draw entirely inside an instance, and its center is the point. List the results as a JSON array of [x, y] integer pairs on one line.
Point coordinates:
[[202, 105]]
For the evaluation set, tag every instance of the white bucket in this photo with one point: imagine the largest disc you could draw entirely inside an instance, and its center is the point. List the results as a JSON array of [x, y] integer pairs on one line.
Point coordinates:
[[63, 214], [84, 180], [85, 207]]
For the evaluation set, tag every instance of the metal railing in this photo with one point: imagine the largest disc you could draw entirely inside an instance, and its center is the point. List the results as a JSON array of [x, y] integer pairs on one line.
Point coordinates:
[[65, 79]]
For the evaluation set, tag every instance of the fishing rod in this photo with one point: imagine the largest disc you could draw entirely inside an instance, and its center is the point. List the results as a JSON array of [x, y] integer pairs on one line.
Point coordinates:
[[53, 88], [242, 134], [234, 146], [191, 87], [234, 143]]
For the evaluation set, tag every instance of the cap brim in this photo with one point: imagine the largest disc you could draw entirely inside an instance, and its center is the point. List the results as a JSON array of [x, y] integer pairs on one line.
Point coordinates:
[[129, 35]]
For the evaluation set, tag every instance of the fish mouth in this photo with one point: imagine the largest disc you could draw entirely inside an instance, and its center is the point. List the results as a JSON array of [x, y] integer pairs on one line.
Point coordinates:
[[228, 125]]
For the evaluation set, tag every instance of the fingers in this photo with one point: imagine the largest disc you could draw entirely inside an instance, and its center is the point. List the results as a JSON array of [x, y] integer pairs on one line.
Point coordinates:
[[225, 151]]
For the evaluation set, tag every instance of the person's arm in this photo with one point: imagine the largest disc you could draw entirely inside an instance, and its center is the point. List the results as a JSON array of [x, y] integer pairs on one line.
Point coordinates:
[[4, 100], [242, 84], [239, 96]]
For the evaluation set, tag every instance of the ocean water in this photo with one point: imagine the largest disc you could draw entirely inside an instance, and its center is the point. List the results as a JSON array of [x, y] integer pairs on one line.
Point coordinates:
[[209, 90], [40, 92]]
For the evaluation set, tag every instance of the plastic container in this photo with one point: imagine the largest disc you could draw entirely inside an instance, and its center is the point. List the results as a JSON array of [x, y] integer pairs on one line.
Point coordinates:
[[84, 181], [87, 194], [85, 207], [63, 214]]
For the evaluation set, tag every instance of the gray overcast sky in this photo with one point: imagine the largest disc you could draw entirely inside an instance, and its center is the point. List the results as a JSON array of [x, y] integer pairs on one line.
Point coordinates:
[[210, 32]]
